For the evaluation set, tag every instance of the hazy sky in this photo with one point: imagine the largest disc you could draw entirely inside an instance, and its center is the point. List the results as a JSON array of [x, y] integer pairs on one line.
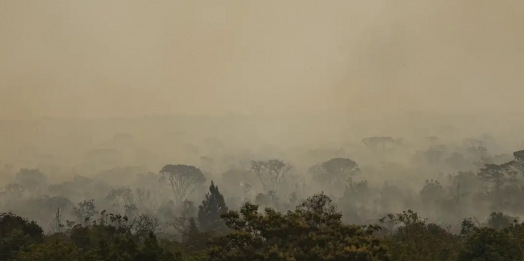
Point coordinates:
[[111, 58]]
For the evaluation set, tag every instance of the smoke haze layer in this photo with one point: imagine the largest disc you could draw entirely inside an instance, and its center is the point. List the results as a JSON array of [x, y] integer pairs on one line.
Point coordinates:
[[99, 59]]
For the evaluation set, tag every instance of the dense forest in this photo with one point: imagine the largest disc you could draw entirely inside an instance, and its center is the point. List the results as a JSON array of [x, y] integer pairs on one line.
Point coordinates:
[[271, 209], [297, 130]]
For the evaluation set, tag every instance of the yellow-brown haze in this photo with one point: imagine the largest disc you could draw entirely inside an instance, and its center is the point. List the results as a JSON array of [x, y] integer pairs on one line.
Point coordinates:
[[348, 59]]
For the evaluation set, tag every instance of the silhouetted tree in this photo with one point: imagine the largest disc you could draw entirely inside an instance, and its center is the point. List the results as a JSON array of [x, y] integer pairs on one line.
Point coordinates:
[[485, 244], [432, 191], [495, 174], [497, 220], [183, 180], [85, 211], [517, 164], [17, 233], [270, 173], [31, 179], [335, 171], [211, 210], [121, 197]]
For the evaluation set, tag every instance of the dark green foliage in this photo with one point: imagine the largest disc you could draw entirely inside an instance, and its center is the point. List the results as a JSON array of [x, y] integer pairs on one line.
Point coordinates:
[[497, 220], [416, 239], [487, 244], [108, 238], [85, 211], [313, 231], [211, 210], [17, 233]]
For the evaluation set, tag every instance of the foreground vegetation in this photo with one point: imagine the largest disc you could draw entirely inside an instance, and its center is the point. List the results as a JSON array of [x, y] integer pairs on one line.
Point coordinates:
[[312, 231]]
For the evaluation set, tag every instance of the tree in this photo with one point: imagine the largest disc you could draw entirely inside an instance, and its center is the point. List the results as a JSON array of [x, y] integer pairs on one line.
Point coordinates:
[[145, 224], [187, 211], [432, 191], [270, 173], [13, 192], [489, 244], [472, 143], [519, 156], [516, 166], [183, 180], [313, 231], [246, 188], [410, 237], [211, 210], [497, 220], [121, 197], [335, 171], [495, 174], [433, 156], [375, 143], [17, 233], [54, 251], [85, 211], [478, 152], [31, 179], [432, 139]]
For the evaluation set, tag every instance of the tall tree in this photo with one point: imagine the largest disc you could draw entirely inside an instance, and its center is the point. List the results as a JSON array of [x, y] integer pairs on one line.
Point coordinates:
[[211, 210], [335, 171], [270, 173], [496, 174], [183, 180]]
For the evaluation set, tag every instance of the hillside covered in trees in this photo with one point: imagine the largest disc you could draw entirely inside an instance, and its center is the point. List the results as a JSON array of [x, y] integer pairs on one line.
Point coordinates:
[[348, 218]]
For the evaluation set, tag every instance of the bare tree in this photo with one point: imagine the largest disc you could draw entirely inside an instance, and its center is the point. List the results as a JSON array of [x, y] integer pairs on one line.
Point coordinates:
[[144, 224], [259, 168], [57, 224], [147, 200], [183, 180], [270, 173], [246, 187]]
